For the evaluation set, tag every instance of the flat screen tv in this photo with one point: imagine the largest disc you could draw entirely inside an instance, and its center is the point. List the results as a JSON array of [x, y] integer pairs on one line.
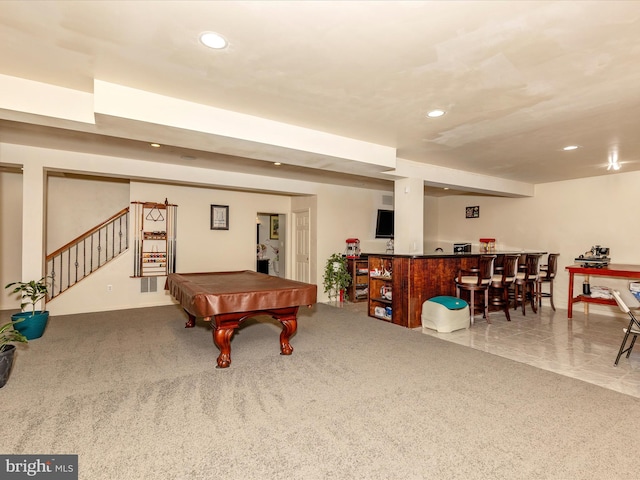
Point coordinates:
[[384, 224]]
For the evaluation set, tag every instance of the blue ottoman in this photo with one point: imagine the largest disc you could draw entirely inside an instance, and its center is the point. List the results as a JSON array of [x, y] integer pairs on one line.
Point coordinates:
[[445, 314]]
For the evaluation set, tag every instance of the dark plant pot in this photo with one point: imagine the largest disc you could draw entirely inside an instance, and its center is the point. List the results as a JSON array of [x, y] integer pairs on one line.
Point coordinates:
[[6, 362], [32, 326]]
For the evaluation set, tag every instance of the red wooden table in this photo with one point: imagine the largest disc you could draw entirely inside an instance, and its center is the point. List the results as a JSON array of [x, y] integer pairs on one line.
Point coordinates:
[[228, 298], [611, 270]]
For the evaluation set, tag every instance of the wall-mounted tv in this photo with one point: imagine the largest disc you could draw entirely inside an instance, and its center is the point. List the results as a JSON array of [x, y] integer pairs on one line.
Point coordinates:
[[384, 224]]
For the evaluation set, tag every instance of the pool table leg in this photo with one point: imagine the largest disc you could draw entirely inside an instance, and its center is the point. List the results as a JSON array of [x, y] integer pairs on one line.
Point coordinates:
[[191, 322], [225, 325], [289, 327], [222, 339]]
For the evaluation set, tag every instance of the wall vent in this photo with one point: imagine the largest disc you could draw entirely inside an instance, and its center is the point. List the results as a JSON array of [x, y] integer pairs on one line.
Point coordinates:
[[387, 200], [148, 284]]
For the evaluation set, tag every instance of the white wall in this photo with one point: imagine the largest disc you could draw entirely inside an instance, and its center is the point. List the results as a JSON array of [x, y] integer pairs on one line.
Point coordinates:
[[563, 217], [93, 200], [347, 212], [409, 216], [10, 233], [198, 248], [431, 221], [343, 213]]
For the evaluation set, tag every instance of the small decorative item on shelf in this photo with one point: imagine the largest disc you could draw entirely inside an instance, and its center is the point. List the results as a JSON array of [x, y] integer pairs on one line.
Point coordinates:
[[353, 248], [155, 235], [390, 246], [386, 292], [387, 269], [362, 293], [376, 272], [487, 245], [261, 250], [383, 312]]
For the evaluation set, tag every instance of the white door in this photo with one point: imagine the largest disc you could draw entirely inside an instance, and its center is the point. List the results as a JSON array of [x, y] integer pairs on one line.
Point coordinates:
[[302, 245]]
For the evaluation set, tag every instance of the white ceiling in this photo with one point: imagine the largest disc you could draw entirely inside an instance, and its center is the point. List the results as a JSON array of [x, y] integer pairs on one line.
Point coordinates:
[[519, 79]]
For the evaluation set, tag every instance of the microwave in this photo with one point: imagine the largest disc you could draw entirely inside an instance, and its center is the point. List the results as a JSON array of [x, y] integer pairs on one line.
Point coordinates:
[[461, 248]]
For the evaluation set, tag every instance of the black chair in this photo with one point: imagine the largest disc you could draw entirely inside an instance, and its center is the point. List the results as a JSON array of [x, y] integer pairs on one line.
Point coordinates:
[[476, 280], [626, 301], [501, 283], [547, 275]]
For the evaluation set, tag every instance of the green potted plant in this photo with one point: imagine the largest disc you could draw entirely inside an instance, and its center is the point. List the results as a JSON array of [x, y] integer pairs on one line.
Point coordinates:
[[336, 277], [7, 350], [33, 321]]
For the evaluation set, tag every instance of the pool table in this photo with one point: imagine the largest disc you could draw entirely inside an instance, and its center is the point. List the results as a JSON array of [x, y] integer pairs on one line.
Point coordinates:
[[228, 298]]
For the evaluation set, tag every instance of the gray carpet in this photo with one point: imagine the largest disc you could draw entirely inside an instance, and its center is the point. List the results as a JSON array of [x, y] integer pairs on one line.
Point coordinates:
[[137, 396]]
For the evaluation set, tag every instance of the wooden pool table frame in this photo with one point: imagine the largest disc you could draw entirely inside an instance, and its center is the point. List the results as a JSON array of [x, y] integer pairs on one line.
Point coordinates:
[[228, 298]]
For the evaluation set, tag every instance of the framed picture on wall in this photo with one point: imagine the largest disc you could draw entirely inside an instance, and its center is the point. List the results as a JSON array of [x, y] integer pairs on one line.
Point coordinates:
[[274, 228], [473, 212], [219, 217]]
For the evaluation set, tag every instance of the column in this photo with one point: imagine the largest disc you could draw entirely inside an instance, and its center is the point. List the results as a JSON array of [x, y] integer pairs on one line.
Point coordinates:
[[409, 216], [33, 221]]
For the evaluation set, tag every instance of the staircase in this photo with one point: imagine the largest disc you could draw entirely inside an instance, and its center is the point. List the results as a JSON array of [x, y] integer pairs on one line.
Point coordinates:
[[87, 253]]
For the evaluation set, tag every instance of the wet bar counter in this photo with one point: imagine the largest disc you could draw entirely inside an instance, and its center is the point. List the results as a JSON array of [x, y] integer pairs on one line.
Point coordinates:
[[413, 279]]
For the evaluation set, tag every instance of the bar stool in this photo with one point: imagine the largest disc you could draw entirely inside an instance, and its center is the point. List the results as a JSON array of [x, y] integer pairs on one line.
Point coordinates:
[[520, 267], [501, 283], [547, 275], [525, 285], [476, 280]]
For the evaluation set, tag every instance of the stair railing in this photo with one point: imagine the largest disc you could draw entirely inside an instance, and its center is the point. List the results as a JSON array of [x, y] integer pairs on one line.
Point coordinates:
[[85, 254]]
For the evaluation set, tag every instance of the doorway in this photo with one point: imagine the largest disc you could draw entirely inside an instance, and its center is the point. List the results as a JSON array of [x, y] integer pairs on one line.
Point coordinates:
[[271, 242]]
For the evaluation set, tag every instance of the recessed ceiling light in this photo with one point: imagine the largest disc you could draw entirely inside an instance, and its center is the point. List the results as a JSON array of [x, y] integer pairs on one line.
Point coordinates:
[[213, 40], [155, 145], [277, 164], [436, 113], [570, 147]]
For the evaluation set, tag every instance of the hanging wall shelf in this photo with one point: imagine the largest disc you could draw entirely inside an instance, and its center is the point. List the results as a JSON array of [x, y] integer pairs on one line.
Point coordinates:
[[154, 238]]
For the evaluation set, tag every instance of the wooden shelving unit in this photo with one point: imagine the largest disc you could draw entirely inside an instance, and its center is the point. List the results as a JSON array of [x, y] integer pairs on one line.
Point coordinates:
[[381, 281], [154, 253], [413, 280], [154, 238], [358, 268]]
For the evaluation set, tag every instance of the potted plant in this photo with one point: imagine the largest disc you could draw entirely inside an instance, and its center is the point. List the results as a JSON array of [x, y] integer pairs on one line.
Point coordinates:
[[34, 321], [336, 277], [7, 350]]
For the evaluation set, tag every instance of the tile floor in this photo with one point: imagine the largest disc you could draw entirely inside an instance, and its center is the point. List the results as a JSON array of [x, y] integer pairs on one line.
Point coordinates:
[[583, 348]]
